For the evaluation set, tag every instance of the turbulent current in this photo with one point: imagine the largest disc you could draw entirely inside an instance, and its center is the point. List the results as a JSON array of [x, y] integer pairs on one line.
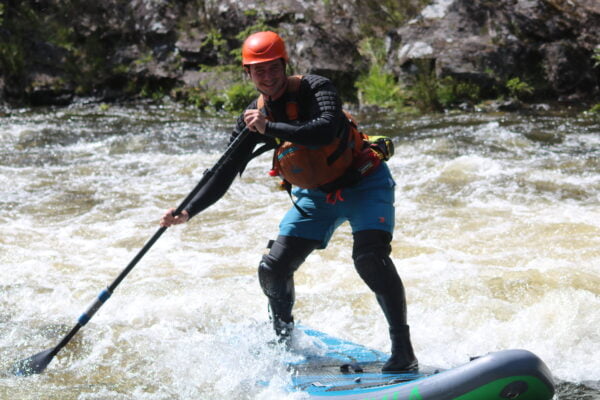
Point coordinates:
[[497, 242]]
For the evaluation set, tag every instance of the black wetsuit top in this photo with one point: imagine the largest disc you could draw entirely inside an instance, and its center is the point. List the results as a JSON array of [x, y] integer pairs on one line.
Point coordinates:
[[320, 120]]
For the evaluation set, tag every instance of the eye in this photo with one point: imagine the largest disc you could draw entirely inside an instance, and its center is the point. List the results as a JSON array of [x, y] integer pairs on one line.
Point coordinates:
[[275, 68]]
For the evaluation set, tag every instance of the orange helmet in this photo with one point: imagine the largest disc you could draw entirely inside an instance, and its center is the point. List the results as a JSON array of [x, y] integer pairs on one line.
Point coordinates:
[[263, 47]]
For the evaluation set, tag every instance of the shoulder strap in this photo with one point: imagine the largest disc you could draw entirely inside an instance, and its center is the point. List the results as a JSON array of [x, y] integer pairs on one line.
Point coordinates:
[[288, 188], [291, 106], [294, 83], [260, 103]]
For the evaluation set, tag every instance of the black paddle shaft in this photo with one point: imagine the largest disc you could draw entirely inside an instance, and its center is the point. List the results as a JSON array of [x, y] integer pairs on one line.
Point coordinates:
[[37, 363]]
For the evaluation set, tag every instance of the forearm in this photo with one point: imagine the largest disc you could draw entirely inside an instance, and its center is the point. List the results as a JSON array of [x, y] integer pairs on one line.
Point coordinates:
[[218, 184], [215, 188], [318, 131]]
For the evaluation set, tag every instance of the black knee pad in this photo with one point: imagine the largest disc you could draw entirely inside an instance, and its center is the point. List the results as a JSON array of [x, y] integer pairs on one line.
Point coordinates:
[[378, 272], [372, 262], [276, 269], [275, 285]]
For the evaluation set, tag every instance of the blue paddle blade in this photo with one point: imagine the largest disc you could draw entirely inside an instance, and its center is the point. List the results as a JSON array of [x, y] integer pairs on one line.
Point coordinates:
[[33, 365]]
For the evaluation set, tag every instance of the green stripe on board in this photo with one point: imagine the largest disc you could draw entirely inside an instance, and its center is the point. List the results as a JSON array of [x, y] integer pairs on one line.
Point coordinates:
[[536, 390], [523, 388], [415, 395]]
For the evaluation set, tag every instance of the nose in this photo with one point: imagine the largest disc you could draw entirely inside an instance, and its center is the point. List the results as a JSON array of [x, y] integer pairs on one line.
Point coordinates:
[[270, 75]]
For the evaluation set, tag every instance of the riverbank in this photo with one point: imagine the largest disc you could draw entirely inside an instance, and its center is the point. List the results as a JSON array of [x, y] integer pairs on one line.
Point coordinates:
[[419, 55]]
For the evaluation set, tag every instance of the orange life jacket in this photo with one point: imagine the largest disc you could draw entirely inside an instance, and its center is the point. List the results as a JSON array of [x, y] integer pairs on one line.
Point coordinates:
[[312, 167]]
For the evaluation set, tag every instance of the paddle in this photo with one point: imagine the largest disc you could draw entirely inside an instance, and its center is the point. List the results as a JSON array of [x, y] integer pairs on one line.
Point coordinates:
[[37, 363]]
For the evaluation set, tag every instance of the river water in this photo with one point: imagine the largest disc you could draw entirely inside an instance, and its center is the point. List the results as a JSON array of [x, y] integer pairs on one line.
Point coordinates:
[[497, 242]]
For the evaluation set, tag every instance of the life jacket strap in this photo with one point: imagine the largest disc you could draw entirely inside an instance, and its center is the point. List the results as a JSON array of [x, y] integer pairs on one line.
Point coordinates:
[[288, 188]]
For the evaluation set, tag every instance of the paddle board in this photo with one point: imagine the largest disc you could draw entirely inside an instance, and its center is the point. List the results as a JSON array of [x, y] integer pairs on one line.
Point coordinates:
[[327, 368]]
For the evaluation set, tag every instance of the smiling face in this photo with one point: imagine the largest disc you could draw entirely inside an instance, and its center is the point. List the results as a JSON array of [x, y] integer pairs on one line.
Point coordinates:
[[269, 78]]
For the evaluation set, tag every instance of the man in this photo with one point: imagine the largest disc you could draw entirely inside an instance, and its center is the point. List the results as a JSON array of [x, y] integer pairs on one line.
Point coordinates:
[[306, 126]]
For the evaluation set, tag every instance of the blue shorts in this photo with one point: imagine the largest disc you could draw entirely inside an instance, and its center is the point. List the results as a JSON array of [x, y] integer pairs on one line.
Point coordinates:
[[368, 205]]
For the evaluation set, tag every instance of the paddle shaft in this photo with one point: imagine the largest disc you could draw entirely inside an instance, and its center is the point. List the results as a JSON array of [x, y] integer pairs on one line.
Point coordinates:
[[106, 293]]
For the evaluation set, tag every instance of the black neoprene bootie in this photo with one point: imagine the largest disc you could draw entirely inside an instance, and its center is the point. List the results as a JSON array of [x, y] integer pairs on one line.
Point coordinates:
[[283, 330], [403, 357]]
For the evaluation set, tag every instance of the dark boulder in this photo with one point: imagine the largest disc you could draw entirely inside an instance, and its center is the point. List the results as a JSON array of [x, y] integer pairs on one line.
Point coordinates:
[[547, 43], [113, 49]]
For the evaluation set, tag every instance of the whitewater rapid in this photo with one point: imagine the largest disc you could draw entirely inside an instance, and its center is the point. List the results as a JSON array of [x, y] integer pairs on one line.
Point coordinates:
[[497, 242]]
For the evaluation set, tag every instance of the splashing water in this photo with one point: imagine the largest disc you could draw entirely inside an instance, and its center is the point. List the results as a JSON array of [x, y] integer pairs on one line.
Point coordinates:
[[497, 241]]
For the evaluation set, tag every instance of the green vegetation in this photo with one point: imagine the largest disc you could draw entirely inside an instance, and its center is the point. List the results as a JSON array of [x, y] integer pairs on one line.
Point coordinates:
[[232, 94], [424, 91], [452, 92], [430, 93], [88, 61], [518, 89], [234, 99], [378, 87], [12, 59], [152, 91], [596, 57], [80, 64], [377, 16], [215, 41], [595, 109], [13, 39], [238, 96]]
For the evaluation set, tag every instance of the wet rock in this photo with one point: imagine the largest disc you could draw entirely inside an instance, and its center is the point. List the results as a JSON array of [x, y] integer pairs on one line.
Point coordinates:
[[119, 47], [568, 67], [317, 51], [193, 51], [541, 107], [2, 90], [509, 105], [47, 89], [547, 43]]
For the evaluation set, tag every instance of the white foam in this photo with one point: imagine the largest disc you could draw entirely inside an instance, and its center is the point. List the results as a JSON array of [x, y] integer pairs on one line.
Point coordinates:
[[491, 256]]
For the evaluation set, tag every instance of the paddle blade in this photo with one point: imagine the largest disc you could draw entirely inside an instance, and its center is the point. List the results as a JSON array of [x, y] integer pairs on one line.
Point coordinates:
[[33, 365]]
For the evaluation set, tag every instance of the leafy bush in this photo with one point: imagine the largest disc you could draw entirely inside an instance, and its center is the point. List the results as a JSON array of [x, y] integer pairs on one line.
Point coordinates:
[[424, 90], [596, 56], [519, 89], [238, 96], [452, 92], [215, 40], [595, 109], [379, 88]]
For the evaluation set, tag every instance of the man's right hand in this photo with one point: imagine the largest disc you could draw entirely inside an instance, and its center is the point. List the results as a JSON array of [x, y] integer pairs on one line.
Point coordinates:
[[255, 120], [168, 219]]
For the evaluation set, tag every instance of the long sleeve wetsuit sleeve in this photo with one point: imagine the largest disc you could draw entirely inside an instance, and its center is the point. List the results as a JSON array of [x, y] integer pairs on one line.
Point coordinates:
[[325, 116], [223, 177], [322, 121]]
